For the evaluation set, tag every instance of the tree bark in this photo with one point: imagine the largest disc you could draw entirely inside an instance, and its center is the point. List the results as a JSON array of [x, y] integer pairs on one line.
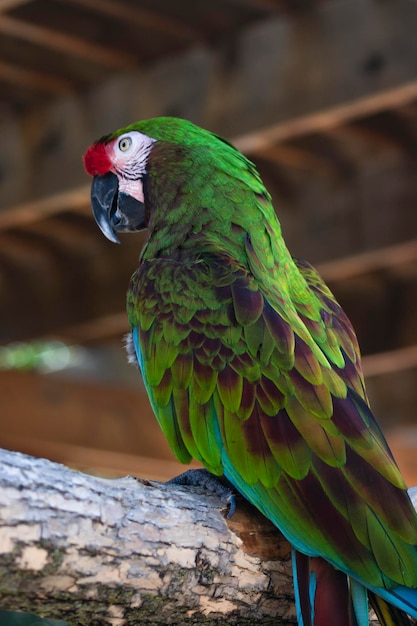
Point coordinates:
[[97, 551]]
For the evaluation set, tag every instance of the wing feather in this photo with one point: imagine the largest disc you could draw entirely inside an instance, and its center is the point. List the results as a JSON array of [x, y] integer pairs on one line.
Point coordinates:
[[269, 389]]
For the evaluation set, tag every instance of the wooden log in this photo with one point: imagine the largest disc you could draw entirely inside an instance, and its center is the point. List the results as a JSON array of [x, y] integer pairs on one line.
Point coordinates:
[[97, 551]]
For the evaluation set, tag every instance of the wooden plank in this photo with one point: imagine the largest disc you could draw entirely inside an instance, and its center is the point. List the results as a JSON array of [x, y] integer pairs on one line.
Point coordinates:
[[95, 461], [86, 415], [95, 427]]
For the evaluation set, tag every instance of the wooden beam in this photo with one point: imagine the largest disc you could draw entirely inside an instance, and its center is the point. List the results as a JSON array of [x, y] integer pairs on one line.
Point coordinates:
[[299, 158], [157, 21], [30, 79], [308, 83], [388, 132], [403, 443], [390, 362], [272, 6], [61, 42], [383, 258], [28, 212], [329, 119], [8, 5], [408, 111], [260, 109], [306, 73], [101, 328]]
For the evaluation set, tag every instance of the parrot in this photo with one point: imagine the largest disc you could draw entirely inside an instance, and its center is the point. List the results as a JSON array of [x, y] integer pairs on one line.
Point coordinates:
[[253, 368]]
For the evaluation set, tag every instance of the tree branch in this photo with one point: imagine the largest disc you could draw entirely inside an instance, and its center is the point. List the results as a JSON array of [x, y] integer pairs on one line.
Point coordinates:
[[99, 551]]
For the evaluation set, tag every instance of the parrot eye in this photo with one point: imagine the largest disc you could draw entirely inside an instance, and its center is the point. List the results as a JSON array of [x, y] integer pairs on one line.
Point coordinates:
[[125, 143]]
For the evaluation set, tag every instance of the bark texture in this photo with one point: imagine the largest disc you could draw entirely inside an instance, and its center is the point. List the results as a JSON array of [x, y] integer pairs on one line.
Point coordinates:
[[124, 551]]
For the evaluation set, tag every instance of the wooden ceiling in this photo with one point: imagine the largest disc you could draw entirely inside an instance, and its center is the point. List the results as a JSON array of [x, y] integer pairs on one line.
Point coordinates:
[[321, 95], [53, 47]]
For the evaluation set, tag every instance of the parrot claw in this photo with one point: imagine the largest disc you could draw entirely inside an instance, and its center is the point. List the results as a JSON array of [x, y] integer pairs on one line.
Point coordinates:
[[215, 485]]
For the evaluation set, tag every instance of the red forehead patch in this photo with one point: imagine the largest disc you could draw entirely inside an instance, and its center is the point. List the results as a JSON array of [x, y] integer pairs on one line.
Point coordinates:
[[96, 161]]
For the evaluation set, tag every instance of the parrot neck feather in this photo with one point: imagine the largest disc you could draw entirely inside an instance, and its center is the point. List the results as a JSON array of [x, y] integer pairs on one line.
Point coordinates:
[[208, 203]]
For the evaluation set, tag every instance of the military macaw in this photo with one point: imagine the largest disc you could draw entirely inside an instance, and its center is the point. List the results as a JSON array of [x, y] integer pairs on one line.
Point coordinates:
[[253, 368]]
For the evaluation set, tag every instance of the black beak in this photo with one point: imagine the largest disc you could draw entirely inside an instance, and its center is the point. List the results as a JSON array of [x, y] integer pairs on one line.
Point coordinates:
[[114, 211]]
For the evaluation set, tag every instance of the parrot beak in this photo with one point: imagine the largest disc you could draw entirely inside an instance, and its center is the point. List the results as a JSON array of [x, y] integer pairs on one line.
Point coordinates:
[[114, 211]]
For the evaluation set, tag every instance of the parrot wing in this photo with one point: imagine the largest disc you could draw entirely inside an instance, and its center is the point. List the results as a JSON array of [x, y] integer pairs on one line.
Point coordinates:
[[266, 387]]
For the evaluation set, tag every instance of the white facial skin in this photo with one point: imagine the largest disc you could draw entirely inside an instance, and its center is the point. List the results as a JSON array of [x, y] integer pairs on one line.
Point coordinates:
[[128, 154]]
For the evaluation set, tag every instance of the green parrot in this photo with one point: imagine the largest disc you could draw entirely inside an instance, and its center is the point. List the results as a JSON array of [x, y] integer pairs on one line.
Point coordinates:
[[253, 368]]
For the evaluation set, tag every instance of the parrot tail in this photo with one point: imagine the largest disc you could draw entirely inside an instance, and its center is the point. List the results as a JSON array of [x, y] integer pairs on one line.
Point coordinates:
[[325, 596], [387, 614]]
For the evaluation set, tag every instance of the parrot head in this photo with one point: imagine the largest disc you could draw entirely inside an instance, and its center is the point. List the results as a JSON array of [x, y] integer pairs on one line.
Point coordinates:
[[118, 164], [146, 174]]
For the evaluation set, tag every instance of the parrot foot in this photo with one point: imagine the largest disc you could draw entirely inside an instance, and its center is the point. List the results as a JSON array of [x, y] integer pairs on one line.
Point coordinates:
[[216, 485]]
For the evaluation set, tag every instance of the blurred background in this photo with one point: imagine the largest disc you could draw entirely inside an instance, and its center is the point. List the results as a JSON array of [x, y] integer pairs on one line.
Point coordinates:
[[321, 95]]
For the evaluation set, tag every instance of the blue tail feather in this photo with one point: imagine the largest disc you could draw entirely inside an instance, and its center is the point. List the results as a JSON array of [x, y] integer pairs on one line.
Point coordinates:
[[323, 596], [359, 596], [403, 598]]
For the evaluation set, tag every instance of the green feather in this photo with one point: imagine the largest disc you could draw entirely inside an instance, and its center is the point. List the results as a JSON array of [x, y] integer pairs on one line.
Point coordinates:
[[229, 387], [203, 421], [330, 448], [162, 392], [251, 365]]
